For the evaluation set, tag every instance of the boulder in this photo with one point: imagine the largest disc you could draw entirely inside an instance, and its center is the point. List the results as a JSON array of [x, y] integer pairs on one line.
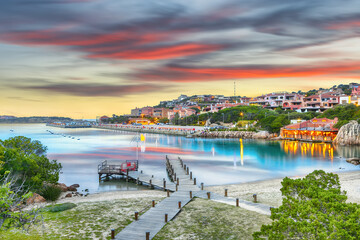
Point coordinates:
[[355, 161], [36, 198], [75, 185], [261, 135], [71, 188], [63, 187], [68, 195], [349, 134]]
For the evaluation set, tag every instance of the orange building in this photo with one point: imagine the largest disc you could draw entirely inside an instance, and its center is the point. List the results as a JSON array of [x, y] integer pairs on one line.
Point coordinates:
[[317, 129]]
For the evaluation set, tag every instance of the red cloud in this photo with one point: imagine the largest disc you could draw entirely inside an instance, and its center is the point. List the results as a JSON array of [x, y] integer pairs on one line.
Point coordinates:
[[344, 25], [190, 74], [126, 44], [163, 52]]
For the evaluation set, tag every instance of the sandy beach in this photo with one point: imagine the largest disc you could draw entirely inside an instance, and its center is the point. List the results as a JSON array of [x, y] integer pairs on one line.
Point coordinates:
[[268, 191]]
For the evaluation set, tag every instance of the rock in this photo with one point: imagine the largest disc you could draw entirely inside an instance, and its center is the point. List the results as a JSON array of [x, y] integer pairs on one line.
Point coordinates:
[[63, 187], [355, 161], [36, 198], [261, 135], [68, 195], [72, 188], [349, 134], [75, 185]]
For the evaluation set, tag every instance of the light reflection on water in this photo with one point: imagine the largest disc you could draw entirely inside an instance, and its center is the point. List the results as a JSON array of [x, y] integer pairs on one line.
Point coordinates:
[[213, 161]]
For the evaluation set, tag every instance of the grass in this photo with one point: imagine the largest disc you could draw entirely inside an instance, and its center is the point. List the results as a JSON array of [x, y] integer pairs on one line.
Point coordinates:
[[88, 220], [206, 219], [200, 219]]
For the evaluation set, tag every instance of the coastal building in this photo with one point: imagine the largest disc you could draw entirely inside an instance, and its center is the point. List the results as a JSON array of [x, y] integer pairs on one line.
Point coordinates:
[[136, 112], [292, 101], [147, 111], [161, 112], [316, 129], [320, 102]]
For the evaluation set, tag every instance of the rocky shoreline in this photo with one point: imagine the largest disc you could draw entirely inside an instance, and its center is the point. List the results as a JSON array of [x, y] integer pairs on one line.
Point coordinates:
[[236, 134]]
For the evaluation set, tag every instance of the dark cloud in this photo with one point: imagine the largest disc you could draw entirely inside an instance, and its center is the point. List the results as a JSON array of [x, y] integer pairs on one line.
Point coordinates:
[[186, 42]]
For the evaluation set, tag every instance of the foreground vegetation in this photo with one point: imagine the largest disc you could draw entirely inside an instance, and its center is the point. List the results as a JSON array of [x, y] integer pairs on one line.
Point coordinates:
[[313, 207], [87, 220]]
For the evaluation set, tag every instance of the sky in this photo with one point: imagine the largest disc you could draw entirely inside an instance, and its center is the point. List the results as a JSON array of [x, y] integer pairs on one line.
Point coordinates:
[[87, 58]]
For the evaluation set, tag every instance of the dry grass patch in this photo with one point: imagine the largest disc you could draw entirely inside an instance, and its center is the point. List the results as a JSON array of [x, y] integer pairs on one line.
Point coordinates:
[[206, 219]]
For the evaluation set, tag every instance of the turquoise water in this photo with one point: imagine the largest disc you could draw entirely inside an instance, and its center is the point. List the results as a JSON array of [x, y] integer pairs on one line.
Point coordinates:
[[213, 161]]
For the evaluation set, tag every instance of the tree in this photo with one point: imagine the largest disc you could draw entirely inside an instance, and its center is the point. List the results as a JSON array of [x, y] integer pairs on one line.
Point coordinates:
[[26, 159], [11, 200], [313, 208]]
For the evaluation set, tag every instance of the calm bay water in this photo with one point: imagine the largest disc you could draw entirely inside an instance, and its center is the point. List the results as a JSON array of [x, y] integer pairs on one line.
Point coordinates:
[[213, 161]]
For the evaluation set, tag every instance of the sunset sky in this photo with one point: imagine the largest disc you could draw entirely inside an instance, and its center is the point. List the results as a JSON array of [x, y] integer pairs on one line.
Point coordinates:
[[86, 58]]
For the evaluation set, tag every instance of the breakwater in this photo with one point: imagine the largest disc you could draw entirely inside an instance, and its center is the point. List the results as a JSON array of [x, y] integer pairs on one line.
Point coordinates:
[[187, 132], [235, 134]]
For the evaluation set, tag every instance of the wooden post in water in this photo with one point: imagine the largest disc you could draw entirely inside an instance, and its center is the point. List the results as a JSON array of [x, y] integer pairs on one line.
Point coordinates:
[[208, 195], [147, 235], [141, 171], [112, 233], [187, 170], [184, 166], [136, 216], [137, 181], [153, 203], [176, 187], [166, 217], [150, 183], [202, 186], [164, 184], [237, 202], [190, 175], [177, 181], [255, 198], [190, 194], [168, 192], [174, 175], [194, 181], [179, 204], [225, 192]]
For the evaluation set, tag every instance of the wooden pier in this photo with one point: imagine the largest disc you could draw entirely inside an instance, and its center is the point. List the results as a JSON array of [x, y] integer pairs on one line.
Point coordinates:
[[183, 188], [152, 221]]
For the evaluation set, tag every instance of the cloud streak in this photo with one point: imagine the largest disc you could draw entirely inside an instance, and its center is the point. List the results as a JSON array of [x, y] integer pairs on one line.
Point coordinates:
[[95, 90]]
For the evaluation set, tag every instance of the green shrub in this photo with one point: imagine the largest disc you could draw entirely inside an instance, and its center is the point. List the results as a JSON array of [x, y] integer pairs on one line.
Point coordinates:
[[60, 207], [51, 192]]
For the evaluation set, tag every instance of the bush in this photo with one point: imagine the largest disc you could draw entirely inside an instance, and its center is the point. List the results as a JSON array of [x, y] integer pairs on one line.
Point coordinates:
[[60, 207], [51, 192], [313, 207]]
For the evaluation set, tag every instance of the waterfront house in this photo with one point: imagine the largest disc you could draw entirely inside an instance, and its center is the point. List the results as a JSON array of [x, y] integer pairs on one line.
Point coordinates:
[[316, 129]]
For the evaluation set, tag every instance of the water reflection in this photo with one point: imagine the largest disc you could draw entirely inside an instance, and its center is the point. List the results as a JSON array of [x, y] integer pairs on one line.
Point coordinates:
[[213, 161], [325, 150]]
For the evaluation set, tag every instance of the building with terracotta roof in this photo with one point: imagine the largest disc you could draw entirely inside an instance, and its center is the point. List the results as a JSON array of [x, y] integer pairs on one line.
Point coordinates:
[[316, 129]]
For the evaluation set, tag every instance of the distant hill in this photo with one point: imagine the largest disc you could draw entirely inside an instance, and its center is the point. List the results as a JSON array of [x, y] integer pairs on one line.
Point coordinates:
[[35, 119]]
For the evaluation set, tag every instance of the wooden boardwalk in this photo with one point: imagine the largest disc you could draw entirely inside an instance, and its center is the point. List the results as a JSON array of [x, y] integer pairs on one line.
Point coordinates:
[[184, 188], [152, 221]]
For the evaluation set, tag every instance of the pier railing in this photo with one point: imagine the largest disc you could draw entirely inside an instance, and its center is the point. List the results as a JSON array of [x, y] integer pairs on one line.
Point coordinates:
[[123, 167]]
